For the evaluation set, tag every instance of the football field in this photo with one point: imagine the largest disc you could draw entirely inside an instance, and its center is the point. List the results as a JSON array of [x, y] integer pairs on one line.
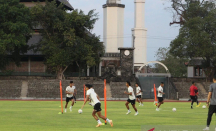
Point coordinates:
[[43, 116]]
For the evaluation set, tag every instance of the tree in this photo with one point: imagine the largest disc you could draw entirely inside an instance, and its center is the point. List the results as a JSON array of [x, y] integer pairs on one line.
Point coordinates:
[[66, 38], [15, 29], [175, 65], [197, 35], [184, 10]]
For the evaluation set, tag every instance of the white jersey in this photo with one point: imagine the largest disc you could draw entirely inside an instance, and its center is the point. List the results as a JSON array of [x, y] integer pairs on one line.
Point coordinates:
[[92, 96], [138, 89], [131, 97], [71, 90], [161, 90]]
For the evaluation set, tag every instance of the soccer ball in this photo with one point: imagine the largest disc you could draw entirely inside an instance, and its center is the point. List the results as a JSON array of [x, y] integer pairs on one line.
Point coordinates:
[[174, 109], [79, 111], [203, 106]]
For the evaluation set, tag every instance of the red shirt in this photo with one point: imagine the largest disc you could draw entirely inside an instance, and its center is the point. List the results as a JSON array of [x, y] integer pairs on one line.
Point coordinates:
[[192, 90]]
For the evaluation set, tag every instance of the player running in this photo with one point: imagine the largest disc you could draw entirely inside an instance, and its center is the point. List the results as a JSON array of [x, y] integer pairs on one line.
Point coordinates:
[[193, 95], [97, 105], [138, 95], [160, 96], [131, 98], [70, 91], [212, 99]]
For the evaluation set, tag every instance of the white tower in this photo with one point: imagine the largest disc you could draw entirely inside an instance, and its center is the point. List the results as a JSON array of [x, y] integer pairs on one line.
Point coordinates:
[[139, 34], [113, 25]]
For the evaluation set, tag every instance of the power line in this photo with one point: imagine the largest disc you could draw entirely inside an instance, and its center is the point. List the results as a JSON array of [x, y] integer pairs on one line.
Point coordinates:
[[148, 37]]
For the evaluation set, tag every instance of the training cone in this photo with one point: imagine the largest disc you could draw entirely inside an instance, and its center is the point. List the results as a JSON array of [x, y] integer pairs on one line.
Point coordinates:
[[60, 113], [59, 106], [103, 123]]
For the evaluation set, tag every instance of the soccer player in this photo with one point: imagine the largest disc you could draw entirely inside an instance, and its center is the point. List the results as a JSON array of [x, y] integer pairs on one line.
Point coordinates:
[[212, 100], [131, 98], [70, 90], [97, 105], [160, 96], [193, 93], [138, 95]]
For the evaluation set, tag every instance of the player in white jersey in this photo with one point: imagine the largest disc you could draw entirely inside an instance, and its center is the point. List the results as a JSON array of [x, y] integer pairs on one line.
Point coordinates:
[[70, 91], [131, 98], [160, 95], [139, 95], [97, 105]]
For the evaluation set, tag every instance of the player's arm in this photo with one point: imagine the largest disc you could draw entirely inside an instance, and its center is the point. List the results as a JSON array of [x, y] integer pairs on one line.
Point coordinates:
[[161, 92], [98, 97], [209, 97], [75, 92], [128, 93], [68, 92], [196, 90], [87, 98], [139, 91]]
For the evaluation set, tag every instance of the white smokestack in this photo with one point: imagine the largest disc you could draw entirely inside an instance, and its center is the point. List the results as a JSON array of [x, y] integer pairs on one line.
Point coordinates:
[[139, 34], [113, 25]]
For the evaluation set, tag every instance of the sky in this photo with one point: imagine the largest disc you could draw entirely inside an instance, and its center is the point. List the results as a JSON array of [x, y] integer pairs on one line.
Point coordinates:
[[157, 19]]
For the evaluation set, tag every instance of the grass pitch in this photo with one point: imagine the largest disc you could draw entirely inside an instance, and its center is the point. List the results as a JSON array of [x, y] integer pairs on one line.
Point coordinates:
[[43, 116]]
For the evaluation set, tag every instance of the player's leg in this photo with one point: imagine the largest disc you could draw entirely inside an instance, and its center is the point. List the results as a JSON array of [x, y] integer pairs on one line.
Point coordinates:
[[189, 99], [72, 103], [104, 118], [159, 104], [133, 105], [160, 100], [141, 100], [72, 100], [75, 99], [127, 106], [192, 101], [198, 103], [67, 100], [96, 118], [137, 99], [211, 111]]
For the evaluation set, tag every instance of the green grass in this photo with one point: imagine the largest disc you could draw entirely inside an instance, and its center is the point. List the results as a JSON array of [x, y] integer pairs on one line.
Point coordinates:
[[43, 116]]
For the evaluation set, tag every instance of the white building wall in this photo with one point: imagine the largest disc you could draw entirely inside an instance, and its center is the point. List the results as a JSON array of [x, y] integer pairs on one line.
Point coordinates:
[[190, 71]]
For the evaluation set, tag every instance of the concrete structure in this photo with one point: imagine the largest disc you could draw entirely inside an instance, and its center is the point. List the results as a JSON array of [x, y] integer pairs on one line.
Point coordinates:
[[118, 67], [113, 25], [194, 68], [139, 34]]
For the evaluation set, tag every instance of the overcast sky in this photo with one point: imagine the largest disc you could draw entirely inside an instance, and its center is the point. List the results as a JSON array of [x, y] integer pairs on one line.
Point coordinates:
[[157, 19]]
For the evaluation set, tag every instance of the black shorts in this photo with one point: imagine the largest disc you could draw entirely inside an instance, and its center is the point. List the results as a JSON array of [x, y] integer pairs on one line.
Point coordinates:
[[139, 96], [131, 101], [193, 98], [97, 107], [69, 99], [160, 99], [212, 109]]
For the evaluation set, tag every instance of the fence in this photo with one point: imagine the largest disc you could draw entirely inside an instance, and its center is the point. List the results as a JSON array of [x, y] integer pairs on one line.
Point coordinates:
[[66, 74]]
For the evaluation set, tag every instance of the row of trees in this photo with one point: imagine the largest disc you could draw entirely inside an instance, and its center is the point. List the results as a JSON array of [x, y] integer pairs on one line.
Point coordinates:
[[66, 37], [197, 34]]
